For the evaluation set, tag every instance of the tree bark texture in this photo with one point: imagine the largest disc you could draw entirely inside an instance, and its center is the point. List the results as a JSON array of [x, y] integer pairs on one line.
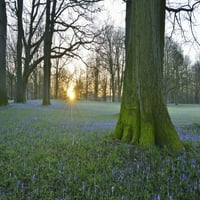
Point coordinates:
[[50, 14], [144, 118], [3, 38], [19, 83]]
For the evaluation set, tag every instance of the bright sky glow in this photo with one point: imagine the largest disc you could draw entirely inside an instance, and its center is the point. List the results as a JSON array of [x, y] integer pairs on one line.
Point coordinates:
[[115, 12], [71, 94]]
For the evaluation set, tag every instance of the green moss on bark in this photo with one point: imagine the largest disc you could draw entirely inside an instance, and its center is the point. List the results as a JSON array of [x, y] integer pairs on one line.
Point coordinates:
[[144, 119]]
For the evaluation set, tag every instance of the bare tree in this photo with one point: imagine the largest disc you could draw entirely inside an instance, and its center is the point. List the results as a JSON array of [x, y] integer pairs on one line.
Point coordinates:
[[119, 43], [62, 77], [11, 69], [29, 40], [19, 94], [110, 58], [196, 77], [112, 53], [173, 69], [32, 33], [74, 34], [183, 18], [49, 27]]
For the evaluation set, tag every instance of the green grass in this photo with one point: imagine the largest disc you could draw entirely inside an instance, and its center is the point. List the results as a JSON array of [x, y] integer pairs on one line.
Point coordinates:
[[63, 151]]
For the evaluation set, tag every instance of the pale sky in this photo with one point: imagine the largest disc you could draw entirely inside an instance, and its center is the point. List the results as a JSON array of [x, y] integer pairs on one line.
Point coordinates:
[[116, 13], [190, 48]]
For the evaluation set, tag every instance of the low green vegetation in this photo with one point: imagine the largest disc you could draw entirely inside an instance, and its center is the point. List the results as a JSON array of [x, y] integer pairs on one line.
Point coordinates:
[[64, 151]]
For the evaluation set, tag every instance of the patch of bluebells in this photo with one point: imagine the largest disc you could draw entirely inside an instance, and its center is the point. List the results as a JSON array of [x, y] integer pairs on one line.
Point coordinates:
[[194, 138], [99, 126], [188, 132], [43, 156]]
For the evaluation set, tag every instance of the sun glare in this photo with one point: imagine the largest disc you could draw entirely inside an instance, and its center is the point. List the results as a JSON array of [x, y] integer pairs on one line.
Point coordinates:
[[71, 94]]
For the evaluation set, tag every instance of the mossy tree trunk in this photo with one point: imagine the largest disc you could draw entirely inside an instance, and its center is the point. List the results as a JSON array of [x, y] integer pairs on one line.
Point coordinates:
[[144, 118], [3, 34]]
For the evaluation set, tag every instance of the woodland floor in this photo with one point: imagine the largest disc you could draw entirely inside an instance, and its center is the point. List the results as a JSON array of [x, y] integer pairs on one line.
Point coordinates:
[[64, 152]]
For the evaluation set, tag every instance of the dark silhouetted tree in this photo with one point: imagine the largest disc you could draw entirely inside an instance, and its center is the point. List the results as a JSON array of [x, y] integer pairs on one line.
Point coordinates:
[[3, 38]]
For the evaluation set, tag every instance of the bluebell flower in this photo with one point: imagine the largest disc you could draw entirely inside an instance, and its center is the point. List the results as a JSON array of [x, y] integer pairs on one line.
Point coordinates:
[[17, 184], [183, 177]]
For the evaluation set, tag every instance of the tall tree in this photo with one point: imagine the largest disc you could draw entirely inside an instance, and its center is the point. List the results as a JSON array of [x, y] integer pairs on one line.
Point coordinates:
[[19, 95], [109, 56], [74, 30], [196, 72], [111, 50], [96, 77], [11, 67], [119, 59], [30, 36], [173, 71], [49, 28], [3, 36], [144, 118]]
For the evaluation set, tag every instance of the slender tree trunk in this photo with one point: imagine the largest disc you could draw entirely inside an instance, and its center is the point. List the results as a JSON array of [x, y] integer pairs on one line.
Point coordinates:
[[19, 83], [86, 86], [122, 77], [187, 87], [112, 78], [56, 88], [40, 84], [119, 69], [47, 61], [118, 83], [26, 73], [105, 88], [177, 90], [113, 87], [96, 82], [144, 118], [3, 38]]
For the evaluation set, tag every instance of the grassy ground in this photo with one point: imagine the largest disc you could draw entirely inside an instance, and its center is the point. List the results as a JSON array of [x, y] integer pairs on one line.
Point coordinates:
[[63, 151]]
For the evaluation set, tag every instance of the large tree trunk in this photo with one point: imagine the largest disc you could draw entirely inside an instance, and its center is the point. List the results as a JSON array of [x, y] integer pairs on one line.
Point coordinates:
[[47, 60], [144, 118], [3, 35], [35, 84], [11, 84], [105, 88], [49, 28]]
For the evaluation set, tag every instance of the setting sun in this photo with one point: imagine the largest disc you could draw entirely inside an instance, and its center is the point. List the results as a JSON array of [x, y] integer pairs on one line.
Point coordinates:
[[71, 94]]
